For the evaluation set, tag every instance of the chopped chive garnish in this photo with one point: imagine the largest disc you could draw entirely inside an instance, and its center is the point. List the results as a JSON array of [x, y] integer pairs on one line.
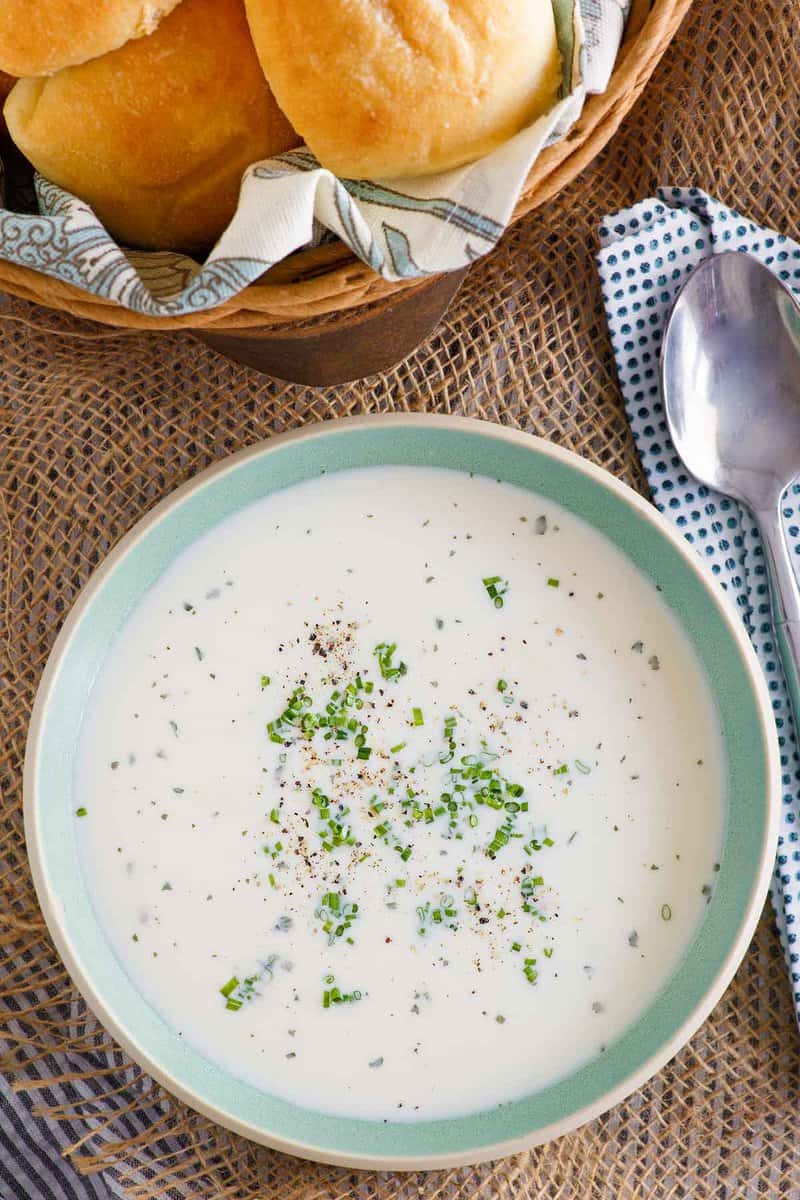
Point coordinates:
[[583, 767], [265, 682], [473, 780], [501, 838], [553, 582], [81, 812], [444, 914], [384, 652], [336, 915], [237, 992], [496, 588], [292, 717], [666, 912], [335, 831], [334, 995]]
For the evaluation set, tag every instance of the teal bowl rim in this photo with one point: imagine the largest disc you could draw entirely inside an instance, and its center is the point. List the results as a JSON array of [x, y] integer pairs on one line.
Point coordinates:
[[719, 639]]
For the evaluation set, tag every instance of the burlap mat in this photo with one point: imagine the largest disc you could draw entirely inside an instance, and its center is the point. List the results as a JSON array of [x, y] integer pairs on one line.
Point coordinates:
[[98, 426]]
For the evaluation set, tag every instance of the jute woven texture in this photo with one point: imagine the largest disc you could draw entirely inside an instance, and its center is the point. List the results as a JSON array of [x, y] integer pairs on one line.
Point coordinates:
[[98, 425]]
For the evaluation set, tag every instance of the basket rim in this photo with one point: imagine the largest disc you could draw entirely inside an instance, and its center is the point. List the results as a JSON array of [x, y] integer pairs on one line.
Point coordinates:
[[331, 279]]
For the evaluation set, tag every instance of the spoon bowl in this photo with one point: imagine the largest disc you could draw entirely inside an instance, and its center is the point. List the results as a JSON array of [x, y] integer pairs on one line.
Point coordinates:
[[730, 371], [730, 379]]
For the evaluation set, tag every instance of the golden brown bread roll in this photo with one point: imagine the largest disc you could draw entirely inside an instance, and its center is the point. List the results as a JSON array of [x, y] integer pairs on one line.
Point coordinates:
[[156, 136], [385, 88], [39, 37]]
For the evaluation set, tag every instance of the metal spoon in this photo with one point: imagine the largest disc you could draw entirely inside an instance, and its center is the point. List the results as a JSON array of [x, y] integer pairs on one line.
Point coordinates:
[[730, 378]]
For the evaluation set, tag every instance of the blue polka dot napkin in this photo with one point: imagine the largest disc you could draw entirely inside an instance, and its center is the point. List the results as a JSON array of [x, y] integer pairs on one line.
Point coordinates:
[[646, 254]]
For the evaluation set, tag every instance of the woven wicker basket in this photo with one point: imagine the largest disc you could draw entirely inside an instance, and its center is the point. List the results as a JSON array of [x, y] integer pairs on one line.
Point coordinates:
[[314, 284]]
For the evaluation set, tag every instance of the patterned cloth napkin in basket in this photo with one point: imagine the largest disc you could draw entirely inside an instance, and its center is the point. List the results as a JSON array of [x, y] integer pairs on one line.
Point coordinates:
[[406, 229], [647, 253]]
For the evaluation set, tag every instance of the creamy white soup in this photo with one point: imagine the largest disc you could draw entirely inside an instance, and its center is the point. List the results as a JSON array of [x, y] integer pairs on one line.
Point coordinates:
[[400, 795]]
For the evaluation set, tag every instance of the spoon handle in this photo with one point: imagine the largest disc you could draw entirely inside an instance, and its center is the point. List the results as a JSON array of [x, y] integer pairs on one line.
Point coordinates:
[[785, 600]]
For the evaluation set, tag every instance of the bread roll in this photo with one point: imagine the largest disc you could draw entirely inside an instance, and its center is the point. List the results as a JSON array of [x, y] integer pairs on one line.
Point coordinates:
[[156, 136], [387, 88], [39, 37]]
